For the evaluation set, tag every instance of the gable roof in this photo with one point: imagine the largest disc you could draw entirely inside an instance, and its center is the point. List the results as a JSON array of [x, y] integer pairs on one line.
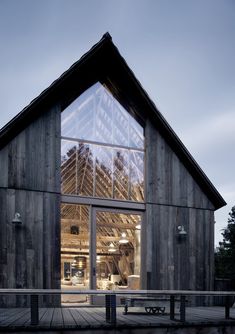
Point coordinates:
[[103, 62]]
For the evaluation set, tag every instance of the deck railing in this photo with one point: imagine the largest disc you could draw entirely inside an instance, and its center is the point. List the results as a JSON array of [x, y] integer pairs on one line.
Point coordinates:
[[110, 299]]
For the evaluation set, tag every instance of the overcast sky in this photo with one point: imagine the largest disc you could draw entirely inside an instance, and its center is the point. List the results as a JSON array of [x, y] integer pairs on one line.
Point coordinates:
[[182, 51]]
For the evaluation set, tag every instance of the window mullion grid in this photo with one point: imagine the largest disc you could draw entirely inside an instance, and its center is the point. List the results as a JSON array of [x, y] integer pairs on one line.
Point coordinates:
[[76, 166], [94, 147], [112, 171], [112, 150], [129, 174], [86, 141]]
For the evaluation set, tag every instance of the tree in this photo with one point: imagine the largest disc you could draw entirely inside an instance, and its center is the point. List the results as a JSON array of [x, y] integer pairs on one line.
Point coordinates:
[[225, 253]]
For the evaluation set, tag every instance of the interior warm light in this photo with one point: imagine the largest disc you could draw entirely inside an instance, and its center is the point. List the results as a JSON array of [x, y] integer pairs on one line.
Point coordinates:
[[112, 248], [123, 239], [79, 262], [138, 227], [74, 263], [98, 259]]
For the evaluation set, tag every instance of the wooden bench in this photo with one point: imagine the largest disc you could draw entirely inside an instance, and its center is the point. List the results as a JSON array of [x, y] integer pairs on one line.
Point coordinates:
[[152, 305]]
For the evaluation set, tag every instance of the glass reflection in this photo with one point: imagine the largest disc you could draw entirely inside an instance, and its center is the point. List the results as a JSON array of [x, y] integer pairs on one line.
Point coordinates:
[[111, 167], [85, 169], [78, 118], [103, 122], [116, 261], [103, 172], [75, 256], [136, 134], [120, 125], [97, 116], [137, 176], [121, 174], [68, 167]]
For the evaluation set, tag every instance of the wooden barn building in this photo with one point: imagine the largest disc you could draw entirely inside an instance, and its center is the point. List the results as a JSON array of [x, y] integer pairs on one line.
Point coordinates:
[[97, 191]]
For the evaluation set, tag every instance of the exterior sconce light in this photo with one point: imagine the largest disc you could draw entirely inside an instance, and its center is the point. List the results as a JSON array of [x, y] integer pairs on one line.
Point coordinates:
[[181, 233], [17, 219]]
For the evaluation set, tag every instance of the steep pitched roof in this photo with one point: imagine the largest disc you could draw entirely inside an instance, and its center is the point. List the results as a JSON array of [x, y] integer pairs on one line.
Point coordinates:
[[103, 62]]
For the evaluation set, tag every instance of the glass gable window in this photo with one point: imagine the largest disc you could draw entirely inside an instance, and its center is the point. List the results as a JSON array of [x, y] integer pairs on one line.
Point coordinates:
[[102, 149]]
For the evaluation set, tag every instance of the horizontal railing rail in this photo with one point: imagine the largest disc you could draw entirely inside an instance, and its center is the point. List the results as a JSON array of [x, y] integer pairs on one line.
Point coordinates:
[[110, 299], [116, 292]]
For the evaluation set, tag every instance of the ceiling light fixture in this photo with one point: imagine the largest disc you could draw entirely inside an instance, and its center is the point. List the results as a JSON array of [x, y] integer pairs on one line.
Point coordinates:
[[112, 248], [123, 239], [74, 263]]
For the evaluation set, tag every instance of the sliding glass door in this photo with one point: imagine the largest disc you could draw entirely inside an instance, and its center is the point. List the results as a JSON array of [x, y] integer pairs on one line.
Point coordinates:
[[118, 253], [100, 249], [75, 250]]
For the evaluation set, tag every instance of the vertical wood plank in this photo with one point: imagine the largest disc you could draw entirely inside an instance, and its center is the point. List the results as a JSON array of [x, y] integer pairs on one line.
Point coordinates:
[[4, 167]]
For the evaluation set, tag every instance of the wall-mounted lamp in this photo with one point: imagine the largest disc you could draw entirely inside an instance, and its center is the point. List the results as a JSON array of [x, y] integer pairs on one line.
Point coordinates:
[[17, 219], [181, 231]]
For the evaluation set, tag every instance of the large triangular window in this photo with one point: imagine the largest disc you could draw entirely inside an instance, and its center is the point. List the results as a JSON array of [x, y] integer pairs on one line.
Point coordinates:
[[102, 149]]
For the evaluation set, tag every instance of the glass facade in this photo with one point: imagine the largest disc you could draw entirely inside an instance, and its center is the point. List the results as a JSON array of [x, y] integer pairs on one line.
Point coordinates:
[[102, 149], [75, 255], [117, 246], [118, 250]]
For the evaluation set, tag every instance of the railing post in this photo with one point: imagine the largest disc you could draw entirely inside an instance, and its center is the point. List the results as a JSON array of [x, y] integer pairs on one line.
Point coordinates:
[[110, 306], [182, 308], [107, 307], [172, 307], [227, 307], [113, 309], [34, 309]]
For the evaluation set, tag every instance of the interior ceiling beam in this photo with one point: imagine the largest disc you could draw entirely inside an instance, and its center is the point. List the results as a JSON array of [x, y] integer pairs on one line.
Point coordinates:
[[108, 203], [69, 247], [101, 248], [71, 255], [84, 236], [99, 223], [66, 248]]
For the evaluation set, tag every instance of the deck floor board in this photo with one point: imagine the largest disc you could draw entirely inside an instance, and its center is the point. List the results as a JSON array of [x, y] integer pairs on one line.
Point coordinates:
[[79, 317], [95, 317], [47, 316]]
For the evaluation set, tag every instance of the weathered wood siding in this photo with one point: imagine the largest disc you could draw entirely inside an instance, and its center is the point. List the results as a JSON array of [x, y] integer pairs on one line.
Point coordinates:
[[30, 185], [174, 198]]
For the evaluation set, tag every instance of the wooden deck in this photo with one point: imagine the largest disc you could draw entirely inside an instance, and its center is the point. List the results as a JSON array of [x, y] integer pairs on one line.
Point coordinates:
[[94, 318]]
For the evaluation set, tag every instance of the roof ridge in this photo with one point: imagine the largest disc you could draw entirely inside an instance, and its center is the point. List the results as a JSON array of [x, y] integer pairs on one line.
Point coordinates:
[[107, 36]]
